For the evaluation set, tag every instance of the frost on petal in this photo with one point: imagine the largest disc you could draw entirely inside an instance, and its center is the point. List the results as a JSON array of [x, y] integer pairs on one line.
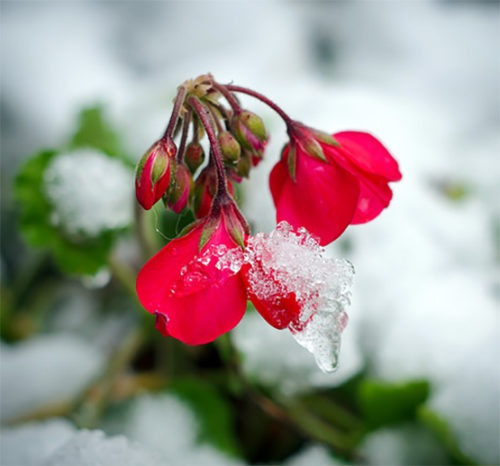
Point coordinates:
[[199, 296], [89, 192], [287, 263], [215, 265]]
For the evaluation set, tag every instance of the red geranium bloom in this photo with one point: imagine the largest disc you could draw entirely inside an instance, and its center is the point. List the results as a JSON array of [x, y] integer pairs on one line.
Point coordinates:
[[194, 298], [325, 184]]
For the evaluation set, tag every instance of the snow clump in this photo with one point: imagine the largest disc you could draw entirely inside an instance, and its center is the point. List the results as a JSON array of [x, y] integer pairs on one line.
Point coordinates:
[[90, 192]]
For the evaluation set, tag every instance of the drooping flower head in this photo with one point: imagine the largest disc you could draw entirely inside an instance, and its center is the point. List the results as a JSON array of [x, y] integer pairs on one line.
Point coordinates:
[[326, 183], [198, 284], [196, 298], [294, 285]]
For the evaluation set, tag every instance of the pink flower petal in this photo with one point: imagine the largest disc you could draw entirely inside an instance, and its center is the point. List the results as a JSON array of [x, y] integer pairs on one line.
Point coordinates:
[[197, 301], [323, 198], [374, 197], [368, 154], [374, 167]]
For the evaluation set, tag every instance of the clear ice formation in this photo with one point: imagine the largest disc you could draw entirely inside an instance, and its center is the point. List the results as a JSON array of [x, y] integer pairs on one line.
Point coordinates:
[[288, 261]]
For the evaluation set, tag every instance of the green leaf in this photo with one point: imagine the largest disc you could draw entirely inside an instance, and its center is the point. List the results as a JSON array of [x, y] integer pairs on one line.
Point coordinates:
[[94, 131], [383, 403], [85, 256], [443, 432], [214, 413]]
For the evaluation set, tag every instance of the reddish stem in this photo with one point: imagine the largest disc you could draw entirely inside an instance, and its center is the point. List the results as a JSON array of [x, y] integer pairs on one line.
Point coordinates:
[[182, 144], [231, 98], [206, 119], [179, 100], [288, 121]]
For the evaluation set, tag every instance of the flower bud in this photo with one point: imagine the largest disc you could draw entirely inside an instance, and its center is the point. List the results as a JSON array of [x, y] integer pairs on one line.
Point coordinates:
[[194, 156], [152, 174], [244, 165], [250, 131], [306, 139], [180, 186], [204, 191], [229, 146]]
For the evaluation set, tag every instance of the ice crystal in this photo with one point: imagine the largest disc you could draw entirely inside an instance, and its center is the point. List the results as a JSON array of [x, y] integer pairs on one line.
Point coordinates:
[[89, 192], [286, 262], [293, 262]]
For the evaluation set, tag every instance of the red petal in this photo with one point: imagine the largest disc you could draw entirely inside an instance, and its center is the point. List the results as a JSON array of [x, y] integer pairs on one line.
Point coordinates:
[[278, 309], [375, 196], [197, 303], [277, 179], [368, 154], [161, 271], [367, 159], [323, 198], [203, 316]]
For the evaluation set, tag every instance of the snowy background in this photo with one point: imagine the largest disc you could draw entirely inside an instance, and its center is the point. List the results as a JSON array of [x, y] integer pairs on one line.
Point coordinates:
[[423, 76]]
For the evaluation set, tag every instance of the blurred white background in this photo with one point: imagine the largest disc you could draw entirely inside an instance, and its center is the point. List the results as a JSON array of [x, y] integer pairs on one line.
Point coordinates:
[[422, 75]]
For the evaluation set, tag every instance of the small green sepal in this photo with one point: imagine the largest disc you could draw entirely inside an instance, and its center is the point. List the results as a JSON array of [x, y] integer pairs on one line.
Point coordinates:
[[326, 138], [292, 161], [207, 232]]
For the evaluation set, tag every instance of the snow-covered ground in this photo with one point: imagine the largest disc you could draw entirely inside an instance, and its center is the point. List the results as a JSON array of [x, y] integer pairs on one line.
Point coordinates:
[[421, 76]]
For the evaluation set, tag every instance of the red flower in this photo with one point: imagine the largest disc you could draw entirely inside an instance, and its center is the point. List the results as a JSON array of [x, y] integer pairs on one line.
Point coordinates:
[[152, 175], [324, 184], [195, 298]]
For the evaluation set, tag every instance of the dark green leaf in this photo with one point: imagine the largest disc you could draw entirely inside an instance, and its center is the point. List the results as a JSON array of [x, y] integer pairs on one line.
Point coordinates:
[[214, 413], [85, 256], [383, 403], [94, 131]]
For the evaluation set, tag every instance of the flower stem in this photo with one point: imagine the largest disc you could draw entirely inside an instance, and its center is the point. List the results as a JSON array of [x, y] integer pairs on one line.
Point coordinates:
[[94, 403], [123, 273], [231, 99], [142, 231], [206, 120], [182, 144], [288, 121], [179, 100]]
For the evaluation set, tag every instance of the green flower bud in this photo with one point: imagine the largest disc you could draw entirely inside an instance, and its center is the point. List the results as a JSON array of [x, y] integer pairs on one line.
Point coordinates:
[[229, 146], [194, 156]]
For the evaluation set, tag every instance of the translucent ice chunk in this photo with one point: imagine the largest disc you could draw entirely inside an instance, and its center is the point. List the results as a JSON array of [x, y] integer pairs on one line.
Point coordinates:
[[321, 337], [287, 261], [89, 192]]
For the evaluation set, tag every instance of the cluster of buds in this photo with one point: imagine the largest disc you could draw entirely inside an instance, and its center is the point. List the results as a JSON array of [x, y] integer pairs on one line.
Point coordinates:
[[322, 183], [182, 175]]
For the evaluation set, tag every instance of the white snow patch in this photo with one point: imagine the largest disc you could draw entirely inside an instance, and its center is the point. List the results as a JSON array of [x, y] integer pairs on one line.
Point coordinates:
[[44, 371], [315, 455], [167, 426], [93, 448], [29, 444], [273, 358], [89, 191], [408, 444], [287, 261], [470, 398]]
